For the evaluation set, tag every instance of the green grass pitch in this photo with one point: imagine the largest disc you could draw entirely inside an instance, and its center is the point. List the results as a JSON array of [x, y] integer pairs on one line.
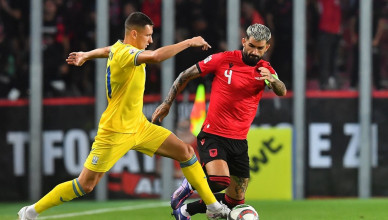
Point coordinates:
[[326, 209]]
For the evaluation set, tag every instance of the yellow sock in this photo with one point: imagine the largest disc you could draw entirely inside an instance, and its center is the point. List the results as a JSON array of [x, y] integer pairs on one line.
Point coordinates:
[[197, 178], [61, 193]]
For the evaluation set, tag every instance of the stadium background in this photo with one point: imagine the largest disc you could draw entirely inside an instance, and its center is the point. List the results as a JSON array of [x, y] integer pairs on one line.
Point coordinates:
[[332, 132]]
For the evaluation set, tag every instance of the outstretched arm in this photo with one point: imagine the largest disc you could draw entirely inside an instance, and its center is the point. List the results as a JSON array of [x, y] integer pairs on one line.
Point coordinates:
[[179, 84], [79, 58], [163, 53], [275, 84]]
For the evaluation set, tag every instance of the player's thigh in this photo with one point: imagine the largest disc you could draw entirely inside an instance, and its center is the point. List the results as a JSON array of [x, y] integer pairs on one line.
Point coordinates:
[[213, 156], [237, 188], [175, 148], [217, 168], [238, 158], [107, 149], [153, 139]]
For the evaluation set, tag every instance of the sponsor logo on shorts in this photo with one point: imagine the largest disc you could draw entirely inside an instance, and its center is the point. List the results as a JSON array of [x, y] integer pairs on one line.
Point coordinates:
[[94, 160], [213, 152]]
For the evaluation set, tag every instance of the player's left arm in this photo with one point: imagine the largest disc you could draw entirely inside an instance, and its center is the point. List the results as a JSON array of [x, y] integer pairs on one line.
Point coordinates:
[[273, 82], [163, 53]]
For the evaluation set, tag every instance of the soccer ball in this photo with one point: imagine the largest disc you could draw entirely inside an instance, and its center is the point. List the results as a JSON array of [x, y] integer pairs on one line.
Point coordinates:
[[243, 212]]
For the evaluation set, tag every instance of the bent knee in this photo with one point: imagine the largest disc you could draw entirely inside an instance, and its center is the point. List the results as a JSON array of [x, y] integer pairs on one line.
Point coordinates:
[[186, 152], [218, 183], [88, 188]]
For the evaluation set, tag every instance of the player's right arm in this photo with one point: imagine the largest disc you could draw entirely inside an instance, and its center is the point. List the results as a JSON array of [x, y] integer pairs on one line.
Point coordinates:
[[79, 58], [163, 53], [179, 84]]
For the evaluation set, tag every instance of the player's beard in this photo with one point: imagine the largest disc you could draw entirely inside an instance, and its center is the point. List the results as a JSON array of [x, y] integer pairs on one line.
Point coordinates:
[[249, 59]]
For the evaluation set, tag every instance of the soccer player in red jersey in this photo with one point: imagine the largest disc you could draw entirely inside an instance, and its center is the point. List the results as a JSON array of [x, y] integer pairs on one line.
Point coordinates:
[[240, 78]]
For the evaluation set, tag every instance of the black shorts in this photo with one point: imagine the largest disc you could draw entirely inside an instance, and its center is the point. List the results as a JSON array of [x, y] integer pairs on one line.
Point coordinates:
[[234, 152]]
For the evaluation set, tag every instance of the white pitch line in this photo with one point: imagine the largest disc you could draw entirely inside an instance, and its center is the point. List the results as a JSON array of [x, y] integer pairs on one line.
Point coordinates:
[[98, 211]]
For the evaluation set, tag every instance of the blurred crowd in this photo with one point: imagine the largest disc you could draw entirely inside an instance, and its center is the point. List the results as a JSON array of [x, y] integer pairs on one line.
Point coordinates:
[[69, 25]]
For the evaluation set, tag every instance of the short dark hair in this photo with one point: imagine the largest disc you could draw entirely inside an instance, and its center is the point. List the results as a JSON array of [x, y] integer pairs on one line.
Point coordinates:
[[137, 19]]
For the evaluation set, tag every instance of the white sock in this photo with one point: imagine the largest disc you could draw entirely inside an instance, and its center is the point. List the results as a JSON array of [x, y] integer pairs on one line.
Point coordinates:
[[31, 213], [183, 211], [214, 206]]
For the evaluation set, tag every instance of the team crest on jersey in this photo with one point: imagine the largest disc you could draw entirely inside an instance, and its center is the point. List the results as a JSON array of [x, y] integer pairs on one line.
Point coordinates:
[[213, 152], [203, 141], [95, 160], [132, 50], [207, 59]]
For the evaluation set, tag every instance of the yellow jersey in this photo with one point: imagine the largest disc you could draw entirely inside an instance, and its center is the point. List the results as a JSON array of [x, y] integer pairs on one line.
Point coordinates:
[[125, 84]]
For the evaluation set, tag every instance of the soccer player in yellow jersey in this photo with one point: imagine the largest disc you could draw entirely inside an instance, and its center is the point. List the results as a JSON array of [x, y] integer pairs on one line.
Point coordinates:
[[123, 126]]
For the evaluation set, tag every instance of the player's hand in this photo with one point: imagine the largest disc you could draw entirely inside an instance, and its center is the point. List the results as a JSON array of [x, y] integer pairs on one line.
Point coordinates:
[[76, 58], [160, 112], [199, 42], [266, 74]]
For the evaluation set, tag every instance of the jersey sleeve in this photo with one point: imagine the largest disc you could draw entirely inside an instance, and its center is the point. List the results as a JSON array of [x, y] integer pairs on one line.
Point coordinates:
[[128, 56], [210, 64]]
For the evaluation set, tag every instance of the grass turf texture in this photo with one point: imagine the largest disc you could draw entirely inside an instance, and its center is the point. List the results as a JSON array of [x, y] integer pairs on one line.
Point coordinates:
[[341, 209]]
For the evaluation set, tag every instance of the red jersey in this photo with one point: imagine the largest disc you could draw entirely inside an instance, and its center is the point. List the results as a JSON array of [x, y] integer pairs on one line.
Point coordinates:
[[236, 92], [330, 20]]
